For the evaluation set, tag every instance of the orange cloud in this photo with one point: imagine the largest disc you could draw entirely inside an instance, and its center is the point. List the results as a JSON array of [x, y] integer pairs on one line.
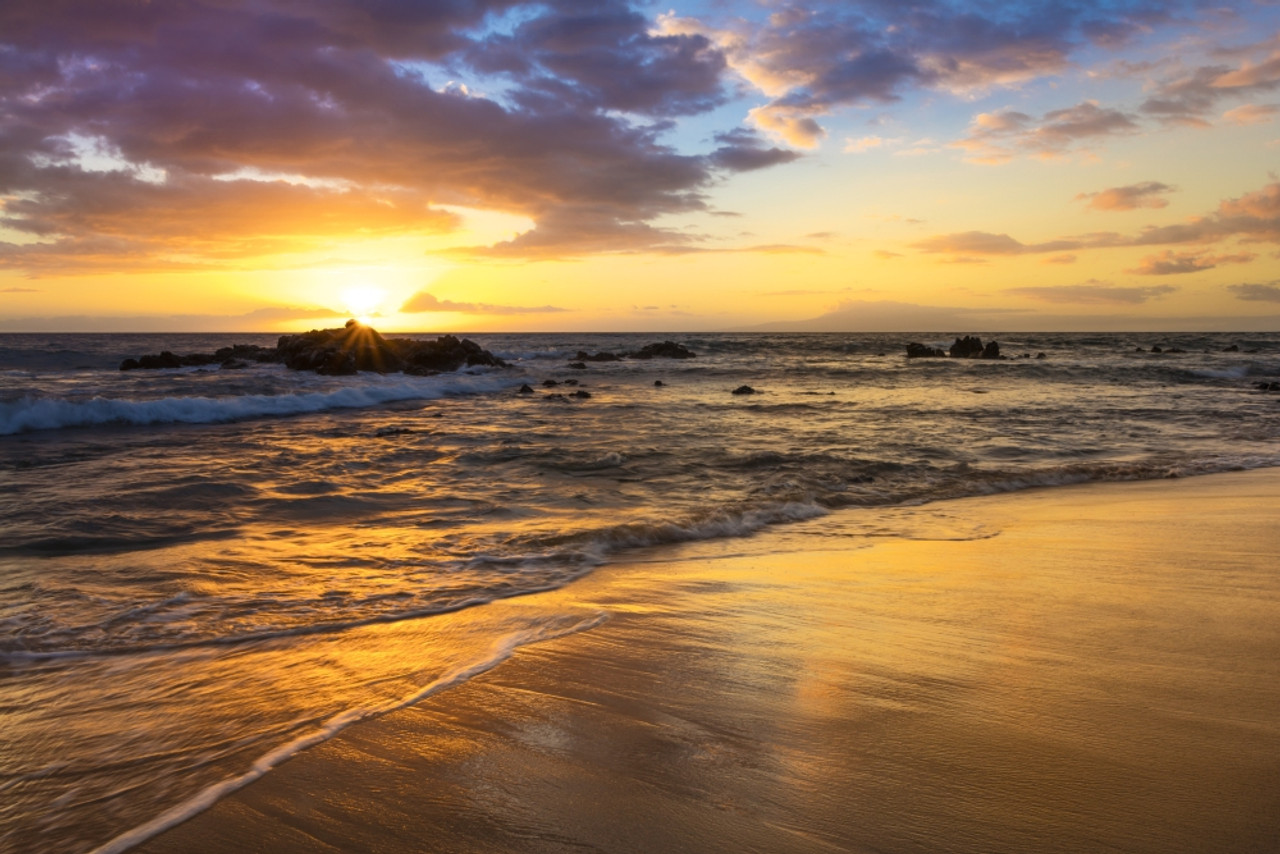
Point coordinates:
[[1144, 195], [1170, 263]]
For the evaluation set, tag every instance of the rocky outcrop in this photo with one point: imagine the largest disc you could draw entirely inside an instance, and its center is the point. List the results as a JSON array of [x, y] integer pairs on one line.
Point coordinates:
[[971, 347], [663, 350], [355, 347], [916, 350], [227, 357], [968, 347], [744, 389]]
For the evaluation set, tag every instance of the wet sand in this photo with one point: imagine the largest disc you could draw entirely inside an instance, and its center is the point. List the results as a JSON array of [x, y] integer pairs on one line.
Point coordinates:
[[1091, 668]]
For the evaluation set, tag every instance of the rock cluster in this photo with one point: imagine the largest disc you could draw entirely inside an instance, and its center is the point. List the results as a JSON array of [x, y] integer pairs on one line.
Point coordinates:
[[968, 347], [353, 348], [660, 350]]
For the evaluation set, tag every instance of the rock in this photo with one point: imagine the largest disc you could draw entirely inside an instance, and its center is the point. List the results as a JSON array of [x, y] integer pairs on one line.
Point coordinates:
[[578, 366], [916, 350], [355, 347], [570, 382], [525, 389], [1267, 386], [1041, 356], [1156, 348], [602, 356], [582, 395], [744, 389], [991, 351], [663, 350], [1234, 348], [556, 396], [234, 365], [658, 383], [1175, 350], [967, 347]]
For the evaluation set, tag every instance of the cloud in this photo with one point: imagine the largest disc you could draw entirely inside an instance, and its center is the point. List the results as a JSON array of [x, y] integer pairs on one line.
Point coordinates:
[[383, 111], [1093, 292], [1251, 218], [20, 291], [1256, 292], [1065, 258], [1170, 263], [1188, 95], [424, 302], [266, 318], [986, 243], [743, 151], [1145, 195], [816, 58], [1251, 114], [866, 143], [999, 137]]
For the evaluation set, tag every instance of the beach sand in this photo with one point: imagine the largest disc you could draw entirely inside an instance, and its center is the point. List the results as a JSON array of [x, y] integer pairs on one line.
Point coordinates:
[[1080, 669]]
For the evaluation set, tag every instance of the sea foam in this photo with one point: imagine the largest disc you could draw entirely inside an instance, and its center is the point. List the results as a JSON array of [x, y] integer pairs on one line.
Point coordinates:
[[48, 413]]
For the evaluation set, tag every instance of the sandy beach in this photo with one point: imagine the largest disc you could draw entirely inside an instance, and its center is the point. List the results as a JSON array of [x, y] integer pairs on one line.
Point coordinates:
[[1091, 668]]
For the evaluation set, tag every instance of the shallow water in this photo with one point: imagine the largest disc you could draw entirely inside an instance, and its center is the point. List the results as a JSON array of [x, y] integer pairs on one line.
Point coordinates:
[[194, 564]]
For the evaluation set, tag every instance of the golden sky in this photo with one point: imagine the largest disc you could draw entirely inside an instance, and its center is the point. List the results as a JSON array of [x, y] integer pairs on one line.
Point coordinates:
[[571, 165]]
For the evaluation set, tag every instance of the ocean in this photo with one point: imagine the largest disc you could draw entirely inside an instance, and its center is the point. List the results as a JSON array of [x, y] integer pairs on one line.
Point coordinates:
[[203, 571]]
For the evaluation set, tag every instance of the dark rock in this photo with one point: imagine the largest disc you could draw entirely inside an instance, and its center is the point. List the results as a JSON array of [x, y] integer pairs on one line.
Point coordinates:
[[353, 348], [556, 396], [1175, 350], [247, 353], [991, 351], [550, 383], [234, 365], [967, 347], [583, 395], [578, 366], [744, 389], [1267, 386], [525, 389], [1041, 356], [658, 383], [570, 382], [916, 350], [1234, 348], [357, 347], [663, 350], [602, 356], [1157, 349]]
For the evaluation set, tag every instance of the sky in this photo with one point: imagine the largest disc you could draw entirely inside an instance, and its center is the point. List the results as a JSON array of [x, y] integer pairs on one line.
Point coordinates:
[[600, 165]]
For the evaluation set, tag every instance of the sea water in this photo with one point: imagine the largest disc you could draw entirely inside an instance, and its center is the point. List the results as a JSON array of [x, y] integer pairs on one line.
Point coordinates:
[[205, 570]]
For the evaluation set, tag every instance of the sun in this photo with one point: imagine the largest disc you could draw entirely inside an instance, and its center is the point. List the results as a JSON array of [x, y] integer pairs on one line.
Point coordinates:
[[363, 300]]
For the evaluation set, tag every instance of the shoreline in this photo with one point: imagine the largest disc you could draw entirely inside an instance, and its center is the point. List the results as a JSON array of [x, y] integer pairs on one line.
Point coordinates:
[[1089, 667]]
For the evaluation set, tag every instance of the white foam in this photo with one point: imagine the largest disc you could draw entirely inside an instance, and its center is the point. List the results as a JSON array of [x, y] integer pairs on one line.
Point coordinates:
[[202, 800], [28, 414]]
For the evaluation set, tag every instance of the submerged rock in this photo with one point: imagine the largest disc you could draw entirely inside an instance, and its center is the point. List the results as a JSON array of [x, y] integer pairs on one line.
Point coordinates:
[[916, 350], [744, 389], [602, 356], [663, 350]]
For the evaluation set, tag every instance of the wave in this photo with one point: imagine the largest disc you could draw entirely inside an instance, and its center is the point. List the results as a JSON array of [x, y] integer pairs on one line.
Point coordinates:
[[29, 414], [501, 650]]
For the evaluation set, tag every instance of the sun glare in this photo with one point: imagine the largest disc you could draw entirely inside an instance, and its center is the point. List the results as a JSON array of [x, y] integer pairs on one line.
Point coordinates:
[[363, 300]]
